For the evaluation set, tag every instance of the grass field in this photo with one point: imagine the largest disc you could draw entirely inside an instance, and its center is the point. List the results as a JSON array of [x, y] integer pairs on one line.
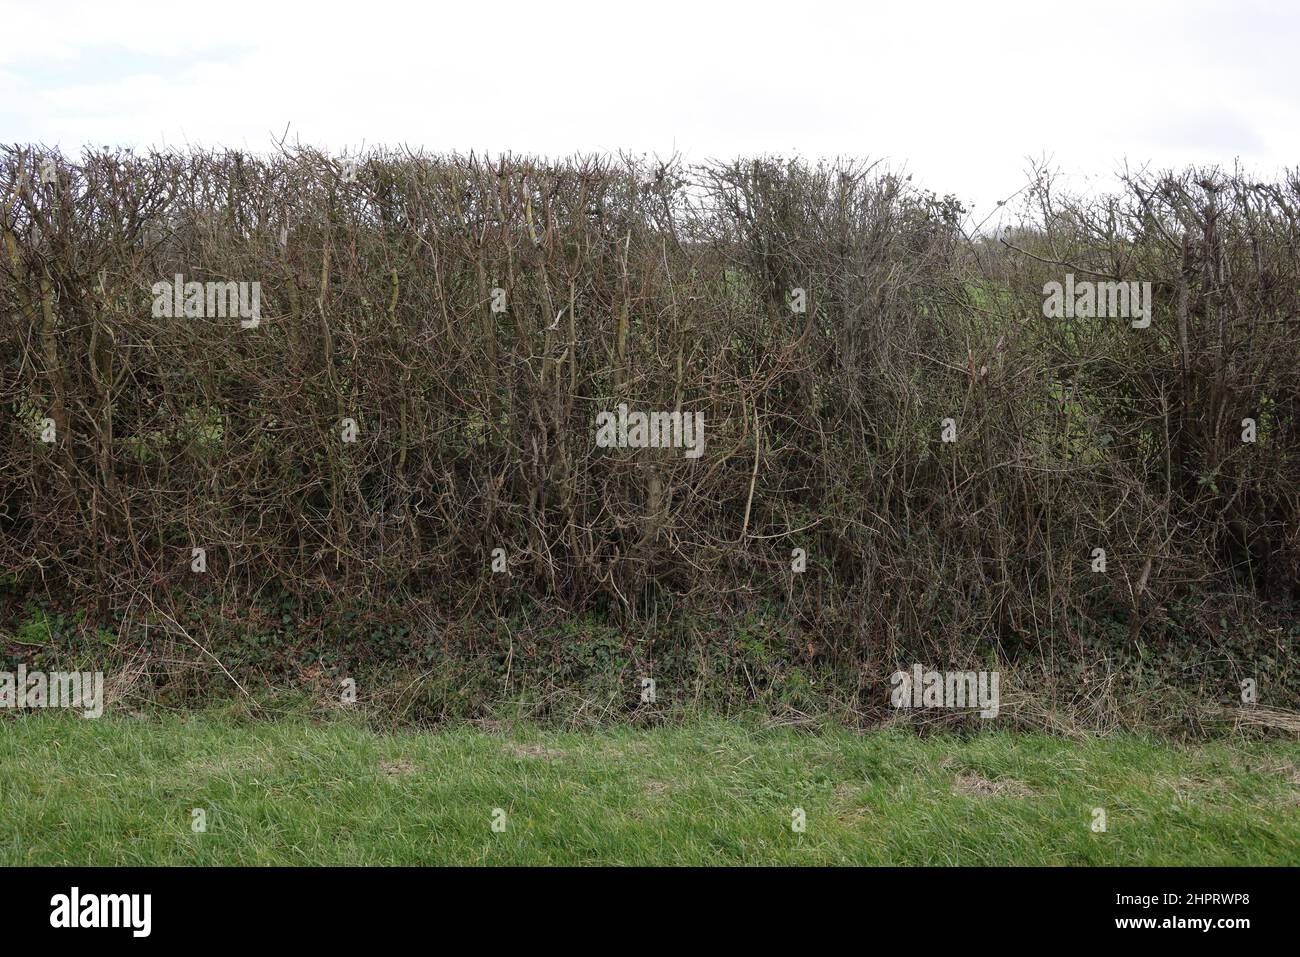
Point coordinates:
[[123, 791]]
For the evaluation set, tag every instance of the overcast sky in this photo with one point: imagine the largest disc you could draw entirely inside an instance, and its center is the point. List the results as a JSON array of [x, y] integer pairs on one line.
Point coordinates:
[[962, 94]]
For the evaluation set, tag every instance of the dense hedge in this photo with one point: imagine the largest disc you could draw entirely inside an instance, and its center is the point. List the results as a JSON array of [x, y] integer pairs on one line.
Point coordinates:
[[665, 288]]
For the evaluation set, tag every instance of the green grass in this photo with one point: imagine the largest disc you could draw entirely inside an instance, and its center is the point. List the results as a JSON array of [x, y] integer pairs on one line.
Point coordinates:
[[121, 791]]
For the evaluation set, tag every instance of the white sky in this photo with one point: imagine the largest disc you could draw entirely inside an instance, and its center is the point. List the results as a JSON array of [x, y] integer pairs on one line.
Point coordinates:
[[960, 93]]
